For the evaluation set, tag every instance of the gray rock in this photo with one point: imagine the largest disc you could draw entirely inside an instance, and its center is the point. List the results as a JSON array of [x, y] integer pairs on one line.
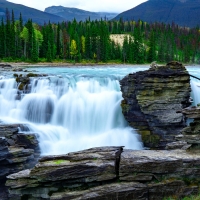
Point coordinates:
[[17, 152], [120, 191], [152, 99], [177, 189], [178, 145], [97, 174]]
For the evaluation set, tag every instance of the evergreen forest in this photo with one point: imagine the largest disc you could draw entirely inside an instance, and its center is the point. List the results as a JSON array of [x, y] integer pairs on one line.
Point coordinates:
[[90, 41]]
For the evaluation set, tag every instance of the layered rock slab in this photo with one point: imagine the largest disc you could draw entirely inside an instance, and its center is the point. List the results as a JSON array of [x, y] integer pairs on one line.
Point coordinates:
[[109, 173], [17, 152], [152, 99], [83, 169], [191, 134]]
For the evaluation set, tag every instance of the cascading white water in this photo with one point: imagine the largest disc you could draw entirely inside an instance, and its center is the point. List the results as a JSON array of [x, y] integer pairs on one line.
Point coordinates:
[[195, 91], [69, 114], [195, 84]]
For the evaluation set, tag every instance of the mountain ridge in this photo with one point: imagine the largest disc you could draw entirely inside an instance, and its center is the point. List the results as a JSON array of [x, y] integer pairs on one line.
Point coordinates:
[[37, 16], [182, 12], [80, 15]]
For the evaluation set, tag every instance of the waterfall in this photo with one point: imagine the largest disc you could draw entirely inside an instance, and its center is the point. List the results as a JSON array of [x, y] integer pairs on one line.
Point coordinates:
[[69, 114], [195, 92]]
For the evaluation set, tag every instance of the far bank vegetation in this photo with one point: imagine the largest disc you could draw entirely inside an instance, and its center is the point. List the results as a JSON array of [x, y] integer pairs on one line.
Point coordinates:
[[134, 42]]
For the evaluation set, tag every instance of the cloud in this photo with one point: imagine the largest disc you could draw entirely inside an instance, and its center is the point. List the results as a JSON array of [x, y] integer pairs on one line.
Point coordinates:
[[90, 5]]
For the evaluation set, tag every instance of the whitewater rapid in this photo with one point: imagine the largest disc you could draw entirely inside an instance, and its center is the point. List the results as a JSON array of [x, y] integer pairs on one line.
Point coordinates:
[[69, 113], [74, 109]]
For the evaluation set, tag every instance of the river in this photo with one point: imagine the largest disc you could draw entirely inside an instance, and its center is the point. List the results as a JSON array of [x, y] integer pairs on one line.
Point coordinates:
[[75, 108]]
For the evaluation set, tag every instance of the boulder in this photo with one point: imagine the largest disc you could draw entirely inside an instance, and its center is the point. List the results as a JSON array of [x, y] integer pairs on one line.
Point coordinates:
[[5, 65], [24, 82], [152, 99]]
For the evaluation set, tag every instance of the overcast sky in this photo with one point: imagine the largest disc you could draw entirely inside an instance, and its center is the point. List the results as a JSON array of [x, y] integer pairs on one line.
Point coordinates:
[[90, 5]]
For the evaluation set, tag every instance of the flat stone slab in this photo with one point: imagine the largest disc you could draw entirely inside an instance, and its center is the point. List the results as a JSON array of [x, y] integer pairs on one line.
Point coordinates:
[[155, 162], [109, 173]]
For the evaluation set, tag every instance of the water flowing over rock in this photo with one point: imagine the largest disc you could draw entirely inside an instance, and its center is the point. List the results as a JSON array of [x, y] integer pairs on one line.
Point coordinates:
[[68, 113], [109, 173], [151, 99]]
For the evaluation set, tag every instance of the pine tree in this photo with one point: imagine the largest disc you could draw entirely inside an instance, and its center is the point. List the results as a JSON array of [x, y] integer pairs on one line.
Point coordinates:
[[58, 45], [88, 51], [125, 49], [152, 48], [12, 37], [2, 40], [161, 50], [7, 34], [34, 53], [138, 47], [19, 41], [49, 54], [29, 26]]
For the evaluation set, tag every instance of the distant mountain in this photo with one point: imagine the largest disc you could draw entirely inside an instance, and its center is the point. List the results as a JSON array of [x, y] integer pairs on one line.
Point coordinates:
[[28, 13], [78, 14], [182, 12]]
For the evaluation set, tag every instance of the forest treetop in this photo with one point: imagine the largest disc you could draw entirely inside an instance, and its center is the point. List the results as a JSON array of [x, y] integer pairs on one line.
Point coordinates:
[[92, 41]]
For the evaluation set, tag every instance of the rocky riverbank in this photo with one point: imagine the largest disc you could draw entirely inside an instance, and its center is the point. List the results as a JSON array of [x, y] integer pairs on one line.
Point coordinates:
[[18, 151], [152, 99], [155, 103], [191, 134], [109, 173]]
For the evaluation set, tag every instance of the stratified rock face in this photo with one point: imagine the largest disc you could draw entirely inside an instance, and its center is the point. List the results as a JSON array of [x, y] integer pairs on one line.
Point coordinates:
[[17, 152], [152, 99], [73, 171], [97, 174], [191, 134]]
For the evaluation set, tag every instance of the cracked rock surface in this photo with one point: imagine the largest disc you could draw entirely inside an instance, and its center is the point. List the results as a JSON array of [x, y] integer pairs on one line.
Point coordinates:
[[152, 99], [109, 173]]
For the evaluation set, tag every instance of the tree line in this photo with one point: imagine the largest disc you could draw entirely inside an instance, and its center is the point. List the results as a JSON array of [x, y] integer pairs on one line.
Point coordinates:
[[90, 41]]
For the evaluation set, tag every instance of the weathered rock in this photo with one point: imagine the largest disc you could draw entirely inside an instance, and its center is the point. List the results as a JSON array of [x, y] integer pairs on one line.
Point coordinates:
[[194, 127], [192, 112], [151, 99], [191, 134], [177, 145], [158, 163], [176, 189], [97, 174], [5, 65], [123, 191], [17, 152], [24, 82], [17, 69], [75, 170], [97, 164]]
